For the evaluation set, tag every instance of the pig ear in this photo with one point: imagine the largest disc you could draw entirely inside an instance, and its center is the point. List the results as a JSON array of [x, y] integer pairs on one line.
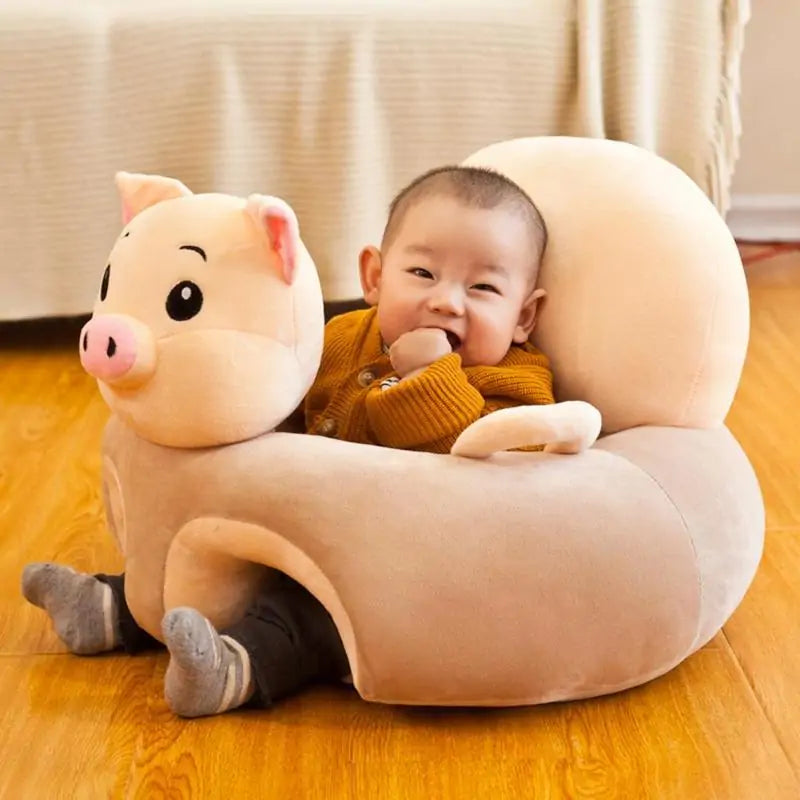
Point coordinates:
[[138, 192], [276, 218]]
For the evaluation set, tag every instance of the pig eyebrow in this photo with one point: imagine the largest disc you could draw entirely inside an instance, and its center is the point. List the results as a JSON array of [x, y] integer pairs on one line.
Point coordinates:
[[195, 248]]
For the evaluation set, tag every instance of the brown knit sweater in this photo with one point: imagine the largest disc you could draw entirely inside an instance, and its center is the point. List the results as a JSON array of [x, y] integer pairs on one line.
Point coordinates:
[[351, 398]]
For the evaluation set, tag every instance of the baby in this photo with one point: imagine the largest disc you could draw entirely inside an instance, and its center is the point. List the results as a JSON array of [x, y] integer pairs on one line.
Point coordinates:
[[453, 300]]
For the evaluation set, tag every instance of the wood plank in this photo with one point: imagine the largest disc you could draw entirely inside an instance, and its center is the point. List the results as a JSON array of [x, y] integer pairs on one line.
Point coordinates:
[[764, 415], [98, 726], [50, 505], [765, 636], [68, 726]]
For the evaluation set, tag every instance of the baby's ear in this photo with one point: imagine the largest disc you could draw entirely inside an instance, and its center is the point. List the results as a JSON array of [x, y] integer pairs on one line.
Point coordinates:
[[527, 316], [369, 269]]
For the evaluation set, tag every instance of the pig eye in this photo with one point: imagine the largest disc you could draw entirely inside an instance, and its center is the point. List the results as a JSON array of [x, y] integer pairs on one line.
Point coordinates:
[[184, 301], [104, 284]]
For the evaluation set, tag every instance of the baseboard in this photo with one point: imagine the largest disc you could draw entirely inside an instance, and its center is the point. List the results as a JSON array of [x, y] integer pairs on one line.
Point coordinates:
[[765, 217]]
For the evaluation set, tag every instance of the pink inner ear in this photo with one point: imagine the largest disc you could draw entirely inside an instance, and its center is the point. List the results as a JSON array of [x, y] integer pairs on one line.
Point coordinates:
[[282, 238], [127, 214]]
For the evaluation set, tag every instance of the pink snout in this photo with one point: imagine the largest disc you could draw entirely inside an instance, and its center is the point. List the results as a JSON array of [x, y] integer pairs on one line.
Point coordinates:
[[116, 349]]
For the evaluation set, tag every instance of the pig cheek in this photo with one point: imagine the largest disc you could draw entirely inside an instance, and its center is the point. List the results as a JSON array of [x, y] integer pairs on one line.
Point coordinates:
[[146, 361]]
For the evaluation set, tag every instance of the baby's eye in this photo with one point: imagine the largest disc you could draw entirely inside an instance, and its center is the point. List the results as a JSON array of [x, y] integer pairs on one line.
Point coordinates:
[[486, 287], [420, 272]]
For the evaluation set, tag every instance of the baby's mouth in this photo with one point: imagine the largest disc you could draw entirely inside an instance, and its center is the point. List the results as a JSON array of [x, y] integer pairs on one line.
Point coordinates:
[[454, 339]]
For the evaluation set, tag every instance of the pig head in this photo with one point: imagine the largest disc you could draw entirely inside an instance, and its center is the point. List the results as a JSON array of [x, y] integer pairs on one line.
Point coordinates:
[[208, 325]]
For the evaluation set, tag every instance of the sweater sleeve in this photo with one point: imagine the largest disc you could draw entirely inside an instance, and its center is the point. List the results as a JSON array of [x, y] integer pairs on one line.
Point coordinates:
[[429, 411], [426, 412]]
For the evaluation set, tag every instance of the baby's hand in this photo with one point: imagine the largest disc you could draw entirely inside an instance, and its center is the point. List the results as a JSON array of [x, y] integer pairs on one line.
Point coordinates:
[[417, 349]]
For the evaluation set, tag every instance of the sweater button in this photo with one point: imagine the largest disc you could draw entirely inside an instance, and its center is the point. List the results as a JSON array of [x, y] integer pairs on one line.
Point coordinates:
[[366, 377], [327, 427]]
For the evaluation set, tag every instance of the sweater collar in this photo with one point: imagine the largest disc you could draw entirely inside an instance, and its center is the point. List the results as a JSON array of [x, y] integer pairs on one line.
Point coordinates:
[[373, 345]]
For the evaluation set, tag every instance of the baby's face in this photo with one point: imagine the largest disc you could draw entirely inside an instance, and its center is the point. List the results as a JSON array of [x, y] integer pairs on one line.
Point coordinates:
[[467, 271]]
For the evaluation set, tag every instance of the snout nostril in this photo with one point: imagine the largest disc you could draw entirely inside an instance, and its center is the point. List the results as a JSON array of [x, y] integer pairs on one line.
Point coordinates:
[[85, 340], [112, 347]]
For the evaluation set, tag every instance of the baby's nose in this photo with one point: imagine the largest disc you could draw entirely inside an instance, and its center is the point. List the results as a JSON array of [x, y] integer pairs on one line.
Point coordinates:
[[448, 300]]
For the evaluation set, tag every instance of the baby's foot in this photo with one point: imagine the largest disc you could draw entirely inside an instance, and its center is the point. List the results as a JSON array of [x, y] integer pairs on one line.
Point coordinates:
[[207, 673], [82, 608]]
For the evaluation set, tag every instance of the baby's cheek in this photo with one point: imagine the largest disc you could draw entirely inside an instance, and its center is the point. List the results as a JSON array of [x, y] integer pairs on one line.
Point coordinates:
[[490, 343], [490, 330], [402, 321]]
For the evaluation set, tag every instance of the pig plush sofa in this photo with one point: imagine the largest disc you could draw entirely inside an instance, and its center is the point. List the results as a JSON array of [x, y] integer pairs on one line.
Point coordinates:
[[520, 578]]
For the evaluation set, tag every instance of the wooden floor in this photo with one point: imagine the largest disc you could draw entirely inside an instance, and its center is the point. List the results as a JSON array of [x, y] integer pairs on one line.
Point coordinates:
[[725, 724]]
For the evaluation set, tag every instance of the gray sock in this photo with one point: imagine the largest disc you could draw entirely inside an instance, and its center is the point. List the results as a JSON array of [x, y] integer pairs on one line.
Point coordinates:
[[83, 609], [207, 673]]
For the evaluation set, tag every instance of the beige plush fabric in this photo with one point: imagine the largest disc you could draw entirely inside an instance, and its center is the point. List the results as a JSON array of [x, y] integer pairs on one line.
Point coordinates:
[[711, 483], [530, 579], [647, 313], [194, 390], [525, 577], [331, 104]]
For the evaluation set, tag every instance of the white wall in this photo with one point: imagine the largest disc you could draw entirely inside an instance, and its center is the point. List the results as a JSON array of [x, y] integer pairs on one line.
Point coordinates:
[[766, 185]]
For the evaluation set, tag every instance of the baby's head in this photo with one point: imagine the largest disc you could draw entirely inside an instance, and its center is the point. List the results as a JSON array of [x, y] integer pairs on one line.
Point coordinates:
[[461, 251]]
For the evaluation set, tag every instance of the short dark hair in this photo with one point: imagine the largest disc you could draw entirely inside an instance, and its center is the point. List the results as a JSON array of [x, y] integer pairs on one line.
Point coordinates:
[[476, 187]]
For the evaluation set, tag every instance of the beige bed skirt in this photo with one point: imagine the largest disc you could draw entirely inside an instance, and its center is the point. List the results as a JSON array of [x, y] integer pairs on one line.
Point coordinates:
[[332, 105]]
